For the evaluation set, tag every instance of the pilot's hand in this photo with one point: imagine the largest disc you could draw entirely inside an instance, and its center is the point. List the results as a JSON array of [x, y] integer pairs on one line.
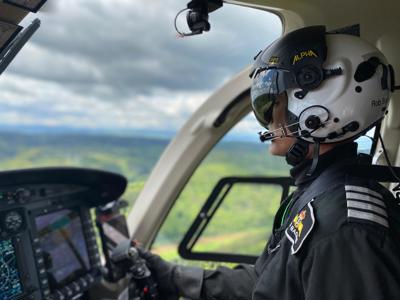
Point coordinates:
[[174, 280], [162, 272]]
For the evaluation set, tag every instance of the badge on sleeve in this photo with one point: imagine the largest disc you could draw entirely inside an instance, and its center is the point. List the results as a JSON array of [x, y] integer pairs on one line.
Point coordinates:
[[300, 227]]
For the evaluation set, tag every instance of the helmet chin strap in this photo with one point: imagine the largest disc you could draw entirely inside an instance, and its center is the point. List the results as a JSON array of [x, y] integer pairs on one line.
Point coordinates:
[[315, 158]]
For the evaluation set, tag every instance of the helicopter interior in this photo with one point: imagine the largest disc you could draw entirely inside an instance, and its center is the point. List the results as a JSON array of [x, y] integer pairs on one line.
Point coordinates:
[[48, 242]]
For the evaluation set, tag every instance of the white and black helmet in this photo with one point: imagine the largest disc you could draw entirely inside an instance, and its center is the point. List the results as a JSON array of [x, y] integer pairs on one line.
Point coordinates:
[[338, 85]]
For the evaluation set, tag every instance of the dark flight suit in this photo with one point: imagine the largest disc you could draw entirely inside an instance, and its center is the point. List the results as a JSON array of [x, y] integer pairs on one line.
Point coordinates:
[[338, 239]]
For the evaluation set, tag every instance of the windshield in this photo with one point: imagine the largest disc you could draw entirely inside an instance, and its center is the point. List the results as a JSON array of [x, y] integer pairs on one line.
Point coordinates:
[[107, 84]]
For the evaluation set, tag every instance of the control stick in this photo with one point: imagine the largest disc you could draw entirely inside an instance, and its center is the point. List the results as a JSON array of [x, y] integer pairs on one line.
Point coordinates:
[[127, 258]]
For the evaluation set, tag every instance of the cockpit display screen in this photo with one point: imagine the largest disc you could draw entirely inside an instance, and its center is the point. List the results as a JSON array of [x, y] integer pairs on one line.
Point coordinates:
[[64, 247], [10, 282]]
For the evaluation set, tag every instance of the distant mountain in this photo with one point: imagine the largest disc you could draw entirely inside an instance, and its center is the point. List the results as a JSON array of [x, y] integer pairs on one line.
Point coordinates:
[[146, 133], [134, 157], [39, 129], [16, 139]]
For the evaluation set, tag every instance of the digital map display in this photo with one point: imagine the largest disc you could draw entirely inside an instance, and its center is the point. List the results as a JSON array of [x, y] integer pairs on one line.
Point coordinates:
[[10, 282], [64, 246]]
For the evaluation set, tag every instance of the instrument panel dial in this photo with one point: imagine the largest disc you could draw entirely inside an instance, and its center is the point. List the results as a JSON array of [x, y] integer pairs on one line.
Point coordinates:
[[13, 221]]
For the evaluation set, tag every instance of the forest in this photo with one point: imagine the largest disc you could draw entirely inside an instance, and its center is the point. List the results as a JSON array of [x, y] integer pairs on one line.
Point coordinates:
[[245, 215], [242, 223]]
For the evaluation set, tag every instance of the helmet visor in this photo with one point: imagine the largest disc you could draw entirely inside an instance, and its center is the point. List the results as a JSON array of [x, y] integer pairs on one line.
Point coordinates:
[[267, 85]]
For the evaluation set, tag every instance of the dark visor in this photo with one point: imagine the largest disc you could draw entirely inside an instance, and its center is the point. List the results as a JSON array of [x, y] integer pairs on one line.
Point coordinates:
[[267, 85]]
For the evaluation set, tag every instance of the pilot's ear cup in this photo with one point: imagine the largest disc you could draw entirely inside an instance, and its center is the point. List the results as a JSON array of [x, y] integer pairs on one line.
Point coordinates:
[[366, 69], [309, 77]]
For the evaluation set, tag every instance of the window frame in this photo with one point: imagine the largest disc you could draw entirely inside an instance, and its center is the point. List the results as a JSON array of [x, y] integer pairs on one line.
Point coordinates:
[[206, 213]]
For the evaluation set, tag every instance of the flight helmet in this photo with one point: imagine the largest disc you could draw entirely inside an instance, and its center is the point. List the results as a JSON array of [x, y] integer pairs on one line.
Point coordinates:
[[338, 85]]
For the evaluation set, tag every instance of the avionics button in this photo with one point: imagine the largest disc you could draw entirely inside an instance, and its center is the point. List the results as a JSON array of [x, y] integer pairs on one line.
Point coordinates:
[[42, 272], [9, 196], [44, 282], [67, 292], [46, 293], [89, 278], [83, 283], [60, 295], [75, 287], [22, 195], [40, 263]]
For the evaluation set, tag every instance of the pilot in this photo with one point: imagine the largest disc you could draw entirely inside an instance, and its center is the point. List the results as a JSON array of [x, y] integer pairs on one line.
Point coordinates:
[[338, 235]]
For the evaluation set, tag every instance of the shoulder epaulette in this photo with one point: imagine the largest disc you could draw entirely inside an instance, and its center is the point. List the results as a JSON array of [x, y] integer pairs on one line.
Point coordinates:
[[366, 205]]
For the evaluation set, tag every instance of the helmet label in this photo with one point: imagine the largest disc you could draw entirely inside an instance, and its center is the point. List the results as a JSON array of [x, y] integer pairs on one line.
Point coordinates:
[[274, 60], [298, 57], [380, 102]]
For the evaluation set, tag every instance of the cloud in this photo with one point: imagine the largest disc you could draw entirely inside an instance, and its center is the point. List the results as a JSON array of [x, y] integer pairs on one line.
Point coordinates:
[[63, 107], [120, 63]]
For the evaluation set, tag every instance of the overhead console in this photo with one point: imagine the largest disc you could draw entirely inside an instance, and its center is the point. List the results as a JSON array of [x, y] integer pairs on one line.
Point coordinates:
[[48, 246]]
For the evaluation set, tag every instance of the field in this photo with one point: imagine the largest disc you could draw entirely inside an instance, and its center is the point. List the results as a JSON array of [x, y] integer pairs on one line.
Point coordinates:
[[245, 217], [243, 222], [134, 158]]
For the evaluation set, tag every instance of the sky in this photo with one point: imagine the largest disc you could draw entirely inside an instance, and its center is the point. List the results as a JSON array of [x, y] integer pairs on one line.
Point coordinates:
[[118, 65]]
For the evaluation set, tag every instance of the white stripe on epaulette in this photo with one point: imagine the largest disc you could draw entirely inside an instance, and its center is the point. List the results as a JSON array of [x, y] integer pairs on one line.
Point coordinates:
[[362, 189], [351, 213], [363, 197], [366, 206]]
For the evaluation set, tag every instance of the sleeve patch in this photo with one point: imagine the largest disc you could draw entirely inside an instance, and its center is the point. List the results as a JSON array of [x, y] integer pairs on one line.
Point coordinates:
[[366, 205], [300, 227]]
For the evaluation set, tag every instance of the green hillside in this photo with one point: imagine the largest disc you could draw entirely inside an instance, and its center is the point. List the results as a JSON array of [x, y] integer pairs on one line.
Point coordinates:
[[135, 158], [132, 157], [246, 215]]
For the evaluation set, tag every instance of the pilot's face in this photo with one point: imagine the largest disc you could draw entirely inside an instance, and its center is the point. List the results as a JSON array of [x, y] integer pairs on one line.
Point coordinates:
[[280, 146]]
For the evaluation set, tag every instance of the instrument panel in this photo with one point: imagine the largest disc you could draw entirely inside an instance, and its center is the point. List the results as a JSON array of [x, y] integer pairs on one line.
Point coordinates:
[[48, 244]]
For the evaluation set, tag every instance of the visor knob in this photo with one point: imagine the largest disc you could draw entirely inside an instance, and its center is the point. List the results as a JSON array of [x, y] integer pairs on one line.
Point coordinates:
[[309, 77], [313, 122]]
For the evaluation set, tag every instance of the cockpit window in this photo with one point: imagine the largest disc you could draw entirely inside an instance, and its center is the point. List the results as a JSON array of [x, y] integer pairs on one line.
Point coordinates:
[[107, 84], [239, 154], [366, 142]]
